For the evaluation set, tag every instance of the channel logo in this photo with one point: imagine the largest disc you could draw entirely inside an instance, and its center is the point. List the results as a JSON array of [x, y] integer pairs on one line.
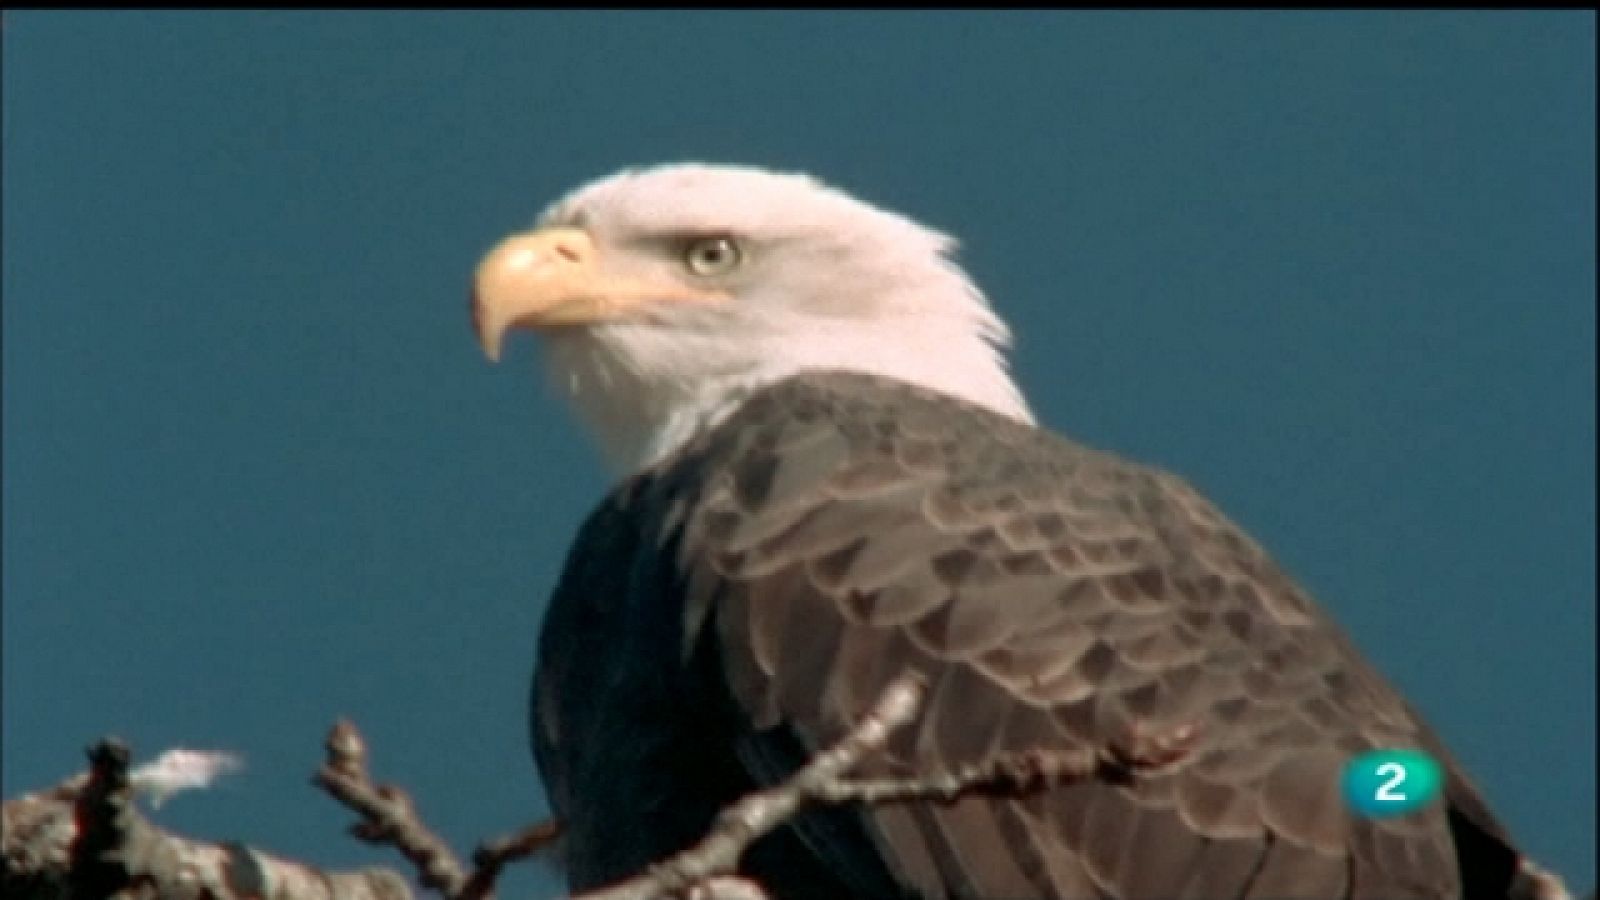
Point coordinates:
[[1385, 783]]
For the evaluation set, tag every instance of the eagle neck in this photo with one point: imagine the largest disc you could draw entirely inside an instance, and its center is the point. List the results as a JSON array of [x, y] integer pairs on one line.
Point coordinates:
[[644, 395]]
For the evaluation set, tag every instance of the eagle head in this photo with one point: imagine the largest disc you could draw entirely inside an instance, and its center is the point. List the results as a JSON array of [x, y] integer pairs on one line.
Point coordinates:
[[665, 295]]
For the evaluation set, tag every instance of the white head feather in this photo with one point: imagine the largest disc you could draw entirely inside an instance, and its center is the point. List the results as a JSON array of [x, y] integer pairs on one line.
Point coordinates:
[[825, 282]]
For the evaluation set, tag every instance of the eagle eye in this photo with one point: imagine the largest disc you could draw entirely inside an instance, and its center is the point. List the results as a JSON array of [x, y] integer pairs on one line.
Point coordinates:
[[709, 256]]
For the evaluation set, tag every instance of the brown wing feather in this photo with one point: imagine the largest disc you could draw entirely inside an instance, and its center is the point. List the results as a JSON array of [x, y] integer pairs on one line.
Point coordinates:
[[1057, 599], [840, 529]]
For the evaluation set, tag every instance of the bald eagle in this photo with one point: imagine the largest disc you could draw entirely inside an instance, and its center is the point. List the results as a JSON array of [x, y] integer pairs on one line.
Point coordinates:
[[832, 479]]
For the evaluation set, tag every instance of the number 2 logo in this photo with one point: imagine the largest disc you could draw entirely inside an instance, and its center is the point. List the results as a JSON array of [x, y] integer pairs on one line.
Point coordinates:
[[1386, 783]]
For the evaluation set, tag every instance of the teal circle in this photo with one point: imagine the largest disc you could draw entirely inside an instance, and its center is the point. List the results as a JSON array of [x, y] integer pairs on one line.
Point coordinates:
[[1385, 783]]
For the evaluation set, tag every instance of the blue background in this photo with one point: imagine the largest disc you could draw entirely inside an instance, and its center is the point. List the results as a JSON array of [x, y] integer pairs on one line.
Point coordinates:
[[1337, 269]]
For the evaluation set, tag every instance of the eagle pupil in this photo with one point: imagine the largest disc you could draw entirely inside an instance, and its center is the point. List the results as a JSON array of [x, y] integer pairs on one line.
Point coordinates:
[[713, 256]]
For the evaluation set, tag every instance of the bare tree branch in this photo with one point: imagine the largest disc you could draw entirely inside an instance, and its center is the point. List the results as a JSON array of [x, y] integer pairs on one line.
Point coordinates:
[[492, 856], [1012, 774], [86, 838], [741, 824], [700, 873], [387, 814]]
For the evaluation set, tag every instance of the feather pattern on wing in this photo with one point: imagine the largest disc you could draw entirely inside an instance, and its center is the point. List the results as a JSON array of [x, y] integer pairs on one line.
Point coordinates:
[[740, 604]]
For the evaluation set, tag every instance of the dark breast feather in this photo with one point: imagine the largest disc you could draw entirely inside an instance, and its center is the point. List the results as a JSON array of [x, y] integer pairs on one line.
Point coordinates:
[[739, 605]]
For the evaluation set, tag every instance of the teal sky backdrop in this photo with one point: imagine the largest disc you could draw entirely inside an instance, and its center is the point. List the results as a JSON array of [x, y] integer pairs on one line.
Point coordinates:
[[1336, 269]]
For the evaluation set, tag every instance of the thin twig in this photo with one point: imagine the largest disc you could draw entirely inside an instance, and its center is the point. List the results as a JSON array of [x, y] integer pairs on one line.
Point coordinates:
[[1010, 775], [493, 856], [387, 814], [700, 871], [763, 811]]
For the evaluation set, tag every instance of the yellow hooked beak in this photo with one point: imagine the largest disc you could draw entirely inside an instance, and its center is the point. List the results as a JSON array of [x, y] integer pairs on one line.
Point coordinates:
[[553, 278]]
